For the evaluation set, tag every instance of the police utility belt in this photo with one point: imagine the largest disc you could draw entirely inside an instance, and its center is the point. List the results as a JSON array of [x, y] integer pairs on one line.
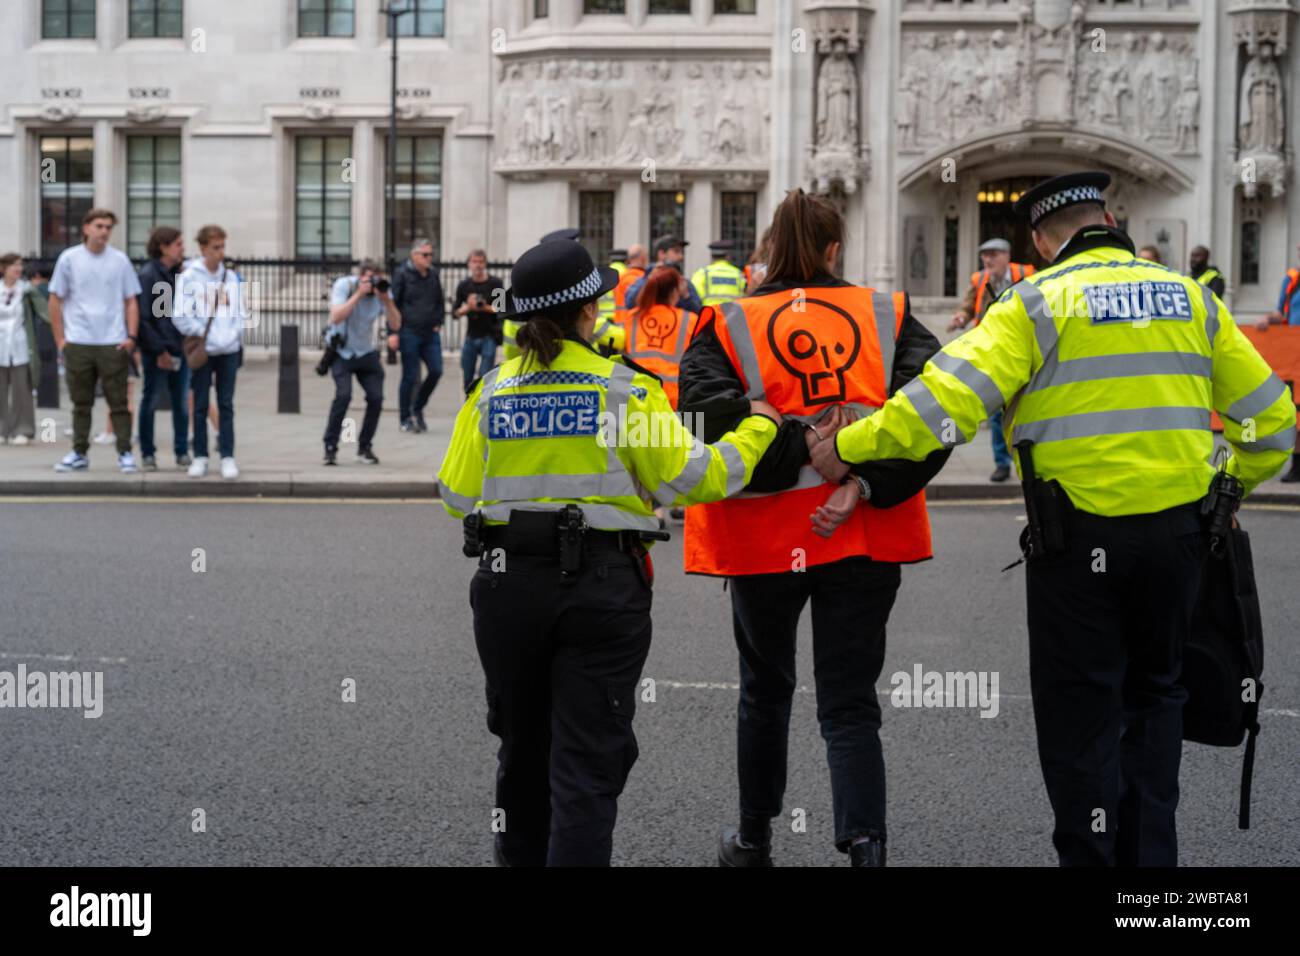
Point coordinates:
[[562, 535]]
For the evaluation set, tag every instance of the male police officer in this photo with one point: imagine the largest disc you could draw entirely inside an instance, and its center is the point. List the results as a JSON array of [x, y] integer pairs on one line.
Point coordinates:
[[1198, 261], [719, 281], [1110, 366]]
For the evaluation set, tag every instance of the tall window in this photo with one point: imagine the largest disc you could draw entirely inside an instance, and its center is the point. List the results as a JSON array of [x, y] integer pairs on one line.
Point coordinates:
[[603, 6], [735, 6], [153, 187], [596, 223], [667, 214], [1249, 253], [950, 234], [327, 18], [740, 223], [323, 198], [670, 6], [155, 18], [67, 190], [67, 19], [416, 208], [541, 9], [427, 18]]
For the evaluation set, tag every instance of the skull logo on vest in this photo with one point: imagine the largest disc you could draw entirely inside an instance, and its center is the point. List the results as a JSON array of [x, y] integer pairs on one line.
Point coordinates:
[[817, 346], [658, 325]]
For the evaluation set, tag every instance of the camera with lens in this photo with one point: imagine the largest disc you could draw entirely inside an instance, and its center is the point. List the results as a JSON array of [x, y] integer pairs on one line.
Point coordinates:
[[330, 342], [380, 285]]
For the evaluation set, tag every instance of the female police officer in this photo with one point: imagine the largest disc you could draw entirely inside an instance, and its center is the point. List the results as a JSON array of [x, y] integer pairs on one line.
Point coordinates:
[[552, 458]]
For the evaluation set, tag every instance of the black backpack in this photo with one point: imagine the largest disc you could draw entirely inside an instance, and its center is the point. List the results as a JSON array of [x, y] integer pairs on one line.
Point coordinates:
[[1224, 657]]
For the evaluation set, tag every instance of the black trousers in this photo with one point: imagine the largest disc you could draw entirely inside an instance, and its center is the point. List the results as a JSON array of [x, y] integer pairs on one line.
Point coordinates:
[[851, 601], [562, 662], [369, 371], [1107, 623]]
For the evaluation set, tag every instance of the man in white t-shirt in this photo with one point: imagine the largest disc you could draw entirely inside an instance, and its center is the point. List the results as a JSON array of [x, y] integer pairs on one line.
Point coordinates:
[[94, 316]]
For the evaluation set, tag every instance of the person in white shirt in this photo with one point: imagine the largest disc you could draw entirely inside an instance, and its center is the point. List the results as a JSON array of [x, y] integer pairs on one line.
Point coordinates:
[[212, 301], [94, 316], [20, 307]]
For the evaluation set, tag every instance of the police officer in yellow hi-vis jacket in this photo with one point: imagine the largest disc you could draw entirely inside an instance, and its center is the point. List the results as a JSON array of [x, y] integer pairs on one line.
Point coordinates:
[[1109, 367], [550, 457]]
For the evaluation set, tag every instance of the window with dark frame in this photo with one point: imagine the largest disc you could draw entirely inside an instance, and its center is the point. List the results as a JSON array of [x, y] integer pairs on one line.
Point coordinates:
[[603, 6], [322, 198], [416, 208], [327, 18], [667, 214], [735, 6], [427, 19], [68, 19], [670, 6], [67, 190], [153, 187], [950, 238], [739, 215], [596, 224], [541, 9], [1249, 271], [152, 19]]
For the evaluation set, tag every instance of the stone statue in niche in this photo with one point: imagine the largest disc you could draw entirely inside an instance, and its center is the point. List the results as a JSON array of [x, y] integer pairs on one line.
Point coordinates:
[[837, 100], [1187, 113], [1262, 124], [909, 108]]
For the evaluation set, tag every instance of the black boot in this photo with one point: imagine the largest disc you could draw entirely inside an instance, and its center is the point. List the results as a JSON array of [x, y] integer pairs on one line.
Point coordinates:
[[331, 455], [867, 853], [733, 851]]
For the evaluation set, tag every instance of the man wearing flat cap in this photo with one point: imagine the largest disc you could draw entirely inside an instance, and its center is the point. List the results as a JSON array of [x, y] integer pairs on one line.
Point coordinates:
[[998, 275], [1109, 366]]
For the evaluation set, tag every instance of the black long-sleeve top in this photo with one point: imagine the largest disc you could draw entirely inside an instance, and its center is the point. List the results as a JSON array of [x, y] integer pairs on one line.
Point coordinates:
[[711, 388]]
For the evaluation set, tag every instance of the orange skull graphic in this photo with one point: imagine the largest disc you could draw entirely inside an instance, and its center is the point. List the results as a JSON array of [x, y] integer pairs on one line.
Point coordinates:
[[658, 326], [817, 345]]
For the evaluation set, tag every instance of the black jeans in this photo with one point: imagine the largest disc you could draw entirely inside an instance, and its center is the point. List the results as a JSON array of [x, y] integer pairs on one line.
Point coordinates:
[[562, 663], [851, 601], [1107, 623], [370, 373]]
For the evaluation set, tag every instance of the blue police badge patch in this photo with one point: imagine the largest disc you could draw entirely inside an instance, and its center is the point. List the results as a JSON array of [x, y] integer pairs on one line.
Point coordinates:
[[544, 415], [1138, 302]]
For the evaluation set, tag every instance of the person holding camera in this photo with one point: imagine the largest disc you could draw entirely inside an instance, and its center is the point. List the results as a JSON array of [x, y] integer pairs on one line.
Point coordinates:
[[356, 302], [475, 299], [419, 297]]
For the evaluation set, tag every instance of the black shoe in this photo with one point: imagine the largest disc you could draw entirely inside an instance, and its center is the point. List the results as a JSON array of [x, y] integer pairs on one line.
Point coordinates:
[[1000, 473], [867, 853], [408, 425], [367, 456], [732, 851], [149, 463], [677, 514], [1292, 476], [420, 426], [331, 456]]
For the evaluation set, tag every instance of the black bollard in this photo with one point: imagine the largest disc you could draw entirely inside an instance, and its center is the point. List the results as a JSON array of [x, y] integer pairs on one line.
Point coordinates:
[[290, 391], [47, 389]]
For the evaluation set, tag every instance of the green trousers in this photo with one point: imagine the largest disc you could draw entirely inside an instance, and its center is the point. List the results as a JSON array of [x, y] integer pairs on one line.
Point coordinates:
[[84, 366]]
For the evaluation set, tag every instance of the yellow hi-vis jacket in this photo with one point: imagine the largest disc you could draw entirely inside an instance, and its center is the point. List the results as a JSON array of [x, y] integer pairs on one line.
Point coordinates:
[[590, 431], [606, 302], [509, 329], [1111, 365], [719, 282], [608, 333]]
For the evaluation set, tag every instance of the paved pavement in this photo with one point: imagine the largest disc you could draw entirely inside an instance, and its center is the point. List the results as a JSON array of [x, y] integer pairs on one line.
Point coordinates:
[[222, 691], [280, 455]]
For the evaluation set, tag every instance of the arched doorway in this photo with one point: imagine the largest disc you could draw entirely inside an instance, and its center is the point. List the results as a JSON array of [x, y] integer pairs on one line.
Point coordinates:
[[996, 200]]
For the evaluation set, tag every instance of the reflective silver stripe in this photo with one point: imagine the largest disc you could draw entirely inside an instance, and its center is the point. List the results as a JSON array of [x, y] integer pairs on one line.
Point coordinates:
[[809, 477], [931, 412], [1211, 314], [601, 517], [735, 466], [1127, 365], [1041, 316], [524, 487], [1282, 441], [974, 379], [1119, 422], [863, 411], [617, 396], [882, 303], [1257, 401], [733, 316], [462, 503], [485, 399], [686, 480]]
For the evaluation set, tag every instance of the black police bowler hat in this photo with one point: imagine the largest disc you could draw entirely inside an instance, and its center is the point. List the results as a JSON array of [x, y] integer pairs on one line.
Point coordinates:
[[554, 274], [664, 243], [1061, 193], [569, 234]]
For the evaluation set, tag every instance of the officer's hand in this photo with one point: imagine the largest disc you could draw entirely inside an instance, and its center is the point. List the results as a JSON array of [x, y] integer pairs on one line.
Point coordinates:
[[757, 407], [827, 461], [958, 322], [836, 510]]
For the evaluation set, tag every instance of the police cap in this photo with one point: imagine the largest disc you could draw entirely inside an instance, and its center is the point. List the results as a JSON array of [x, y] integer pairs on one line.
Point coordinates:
[[1061, 193]]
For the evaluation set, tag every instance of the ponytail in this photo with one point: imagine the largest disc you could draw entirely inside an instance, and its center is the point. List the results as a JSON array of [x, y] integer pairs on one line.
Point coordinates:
[[802, 229], [539, 338]]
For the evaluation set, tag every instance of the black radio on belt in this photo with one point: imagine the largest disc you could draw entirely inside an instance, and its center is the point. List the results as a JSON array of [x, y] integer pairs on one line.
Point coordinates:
[[472, 526], [1220, 504], [1047, 508], [571, 525]]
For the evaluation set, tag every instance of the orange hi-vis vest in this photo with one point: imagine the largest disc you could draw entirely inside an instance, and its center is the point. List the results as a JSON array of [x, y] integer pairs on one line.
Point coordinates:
[[656, 339], [629, 278], [805, 355], [981, 282], [1290, 293]]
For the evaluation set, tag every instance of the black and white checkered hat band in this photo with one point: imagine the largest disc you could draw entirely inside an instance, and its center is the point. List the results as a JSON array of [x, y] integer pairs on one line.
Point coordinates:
[[583, 290], [1066, 197]]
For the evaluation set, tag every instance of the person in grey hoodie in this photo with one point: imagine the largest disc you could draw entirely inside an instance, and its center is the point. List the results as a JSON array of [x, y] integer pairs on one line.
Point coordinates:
[[212, 301]]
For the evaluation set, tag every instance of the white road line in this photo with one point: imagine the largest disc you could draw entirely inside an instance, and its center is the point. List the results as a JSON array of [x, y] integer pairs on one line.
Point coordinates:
[[60, 658]]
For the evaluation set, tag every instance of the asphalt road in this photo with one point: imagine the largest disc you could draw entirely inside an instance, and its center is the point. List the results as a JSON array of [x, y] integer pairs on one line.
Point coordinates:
[[222, 691]]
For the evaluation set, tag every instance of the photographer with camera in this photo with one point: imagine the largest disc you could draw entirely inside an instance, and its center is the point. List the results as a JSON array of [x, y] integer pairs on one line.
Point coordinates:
[[355, 304], [475, 299], [419, 297]]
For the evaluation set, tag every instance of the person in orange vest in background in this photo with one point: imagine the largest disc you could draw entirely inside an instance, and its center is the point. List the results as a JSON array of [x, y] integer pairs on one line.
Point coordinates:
[[998, 275], [1287, 313], [825, 352], [637, 261]]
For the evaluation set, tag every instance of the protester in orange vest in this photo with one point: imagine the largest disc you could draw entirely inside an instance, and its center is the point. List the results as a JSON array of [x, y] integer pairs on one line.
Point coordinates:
[[824, 352], [657, 331], [1287, 313], [637, 261]]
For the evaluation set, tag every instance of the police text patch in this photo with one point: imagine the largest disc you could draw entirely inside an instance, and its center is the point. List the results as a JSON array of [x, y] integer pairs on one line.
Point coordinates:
[[543, 415], [1138, 302]]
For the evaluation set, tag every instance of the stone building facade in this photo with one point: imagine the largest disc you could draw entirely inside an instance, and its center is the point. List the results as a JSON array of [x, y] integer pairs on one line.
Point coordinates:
[[922, 119]]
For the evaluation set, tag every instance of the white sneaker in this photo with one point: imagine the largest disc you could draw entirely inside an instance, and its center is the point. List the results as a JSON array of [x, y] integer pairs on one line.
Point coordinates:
[[104, 438], [126, 463], [198, 468], [20, 440], [229, 470]]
